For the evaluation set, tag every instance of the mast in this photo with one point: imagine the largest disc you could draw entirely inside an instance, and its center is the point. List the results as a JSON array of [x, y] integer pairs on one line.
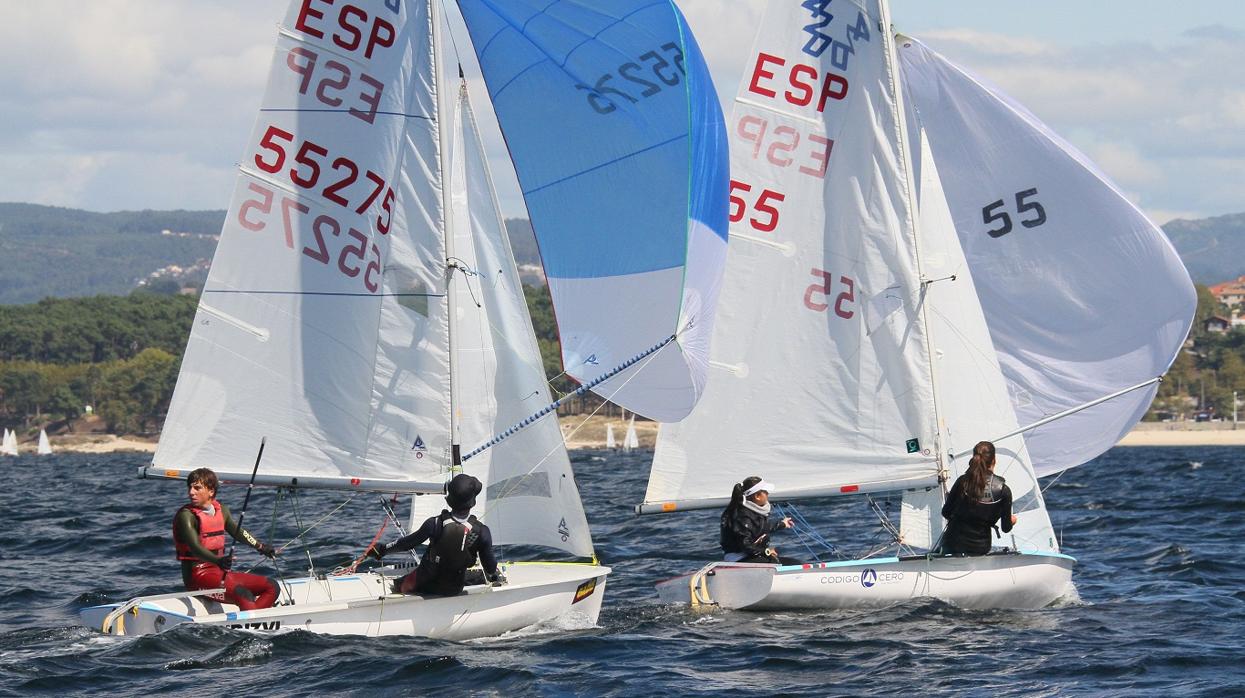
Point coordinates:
[[901, 136], [443, 120]]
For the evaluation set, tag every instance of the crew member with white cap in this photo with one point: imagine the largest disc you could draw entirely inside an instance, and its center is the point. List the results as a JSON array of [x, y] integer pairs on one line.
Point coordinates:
[[746, 527]]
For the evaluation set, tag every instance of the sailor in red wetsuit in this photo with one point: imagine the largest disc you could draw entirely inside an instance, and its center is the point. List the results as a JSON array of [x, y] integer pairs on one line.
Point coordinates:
[[199, 536]]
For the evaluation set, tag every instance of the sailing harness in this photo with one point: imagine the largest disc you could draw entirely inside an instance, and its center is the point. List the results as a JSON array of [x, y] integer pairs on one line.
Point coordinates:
[[454, 550]]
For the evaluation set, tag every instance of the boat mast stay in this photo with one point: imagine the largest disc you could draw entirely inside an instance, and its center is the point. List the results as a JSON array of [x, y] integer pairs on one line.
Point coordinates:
[[1069, 411], [911, 223]]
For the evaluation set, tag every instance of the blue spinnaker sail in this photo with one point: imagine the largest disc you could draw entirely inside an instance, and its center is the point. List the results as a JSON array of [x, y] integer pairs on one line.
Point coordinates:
[[618, 140]]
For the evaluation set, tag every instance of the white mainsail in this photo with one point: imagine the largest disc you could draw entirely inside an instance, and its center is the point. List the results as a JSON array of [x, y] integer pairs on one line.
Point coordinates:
[[299, 336], [821, 378], [610, 442], [45, 446], [1083, 295], [8, 446]]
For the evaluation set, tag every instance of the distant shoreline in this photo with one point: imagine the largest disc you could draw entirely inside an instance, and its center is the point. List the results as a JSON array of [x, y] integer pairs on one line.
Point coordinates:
[[589, 433]]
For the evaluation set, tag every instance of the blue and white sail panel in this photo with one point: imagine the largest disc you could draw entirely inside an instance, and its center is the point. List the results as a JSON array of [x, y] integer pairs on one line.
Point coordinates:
[[322, 324], [617, 138], [1083, 295]]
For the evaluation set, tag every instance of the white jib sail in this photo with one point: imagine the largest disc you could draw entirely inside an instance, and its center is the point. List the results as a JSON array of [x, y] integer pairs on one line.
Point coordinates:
[[820, 379], [322, 324], [530, 493], [1083, 295], [973, 400]]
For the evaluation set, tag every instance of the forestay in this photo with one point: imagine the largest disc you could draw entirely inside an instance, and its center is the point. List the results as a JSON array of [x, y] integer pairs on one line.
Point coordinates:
[[1083, 295], [530, 495], [821, 374], [616, 134], [323, 320]]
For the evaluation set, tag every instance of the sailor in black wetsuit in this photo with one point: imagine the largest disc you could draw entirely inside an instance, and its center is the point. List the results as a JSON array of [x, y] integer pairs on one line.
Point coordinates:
[[977, 501], [455, 539], [746, 526]]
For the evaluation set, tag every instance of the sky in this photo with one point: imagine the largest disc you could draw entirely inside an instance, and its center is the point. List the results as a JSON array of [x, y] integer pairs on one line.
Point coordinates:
[[111, 105]]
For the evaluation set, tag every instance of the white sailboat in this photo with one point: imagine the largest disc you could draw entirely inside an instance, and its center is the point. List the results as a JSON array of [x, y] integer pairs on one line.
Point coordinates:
[[8, 447], [363, 313], [917, 314], [45, 447], [610, 441], [631, 439]]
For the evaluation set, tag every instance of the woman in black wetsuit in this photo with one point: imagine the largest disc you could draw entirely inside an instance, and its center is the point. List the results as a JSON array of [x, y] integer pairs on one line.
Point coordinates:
[[977, 501], [746, 526]]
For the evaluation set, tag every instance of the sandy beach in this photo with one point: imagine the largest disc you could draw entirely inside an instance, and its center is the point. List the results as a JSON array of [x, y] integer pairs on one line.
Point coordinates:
[[589, 432]]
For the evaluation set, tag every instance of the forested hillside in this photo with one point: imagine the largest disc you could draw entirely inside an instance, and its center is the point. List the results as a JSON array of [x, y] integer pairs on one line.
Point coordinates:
[[120, 353], [61, 252], [1213, 249], [46, 251]]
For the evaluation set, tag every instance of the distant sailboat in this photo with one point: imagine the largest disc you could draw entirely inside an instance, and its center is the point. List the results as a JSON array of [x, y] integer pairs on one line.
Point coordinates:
[[610, 442], [45, 447], [8, 447], [631, 441]]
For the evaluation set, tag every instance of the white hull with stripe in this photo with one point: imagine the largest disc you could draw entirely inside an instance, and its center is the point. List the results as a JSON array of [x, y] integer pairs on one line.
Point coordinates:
[[998, 580], [362, 604]]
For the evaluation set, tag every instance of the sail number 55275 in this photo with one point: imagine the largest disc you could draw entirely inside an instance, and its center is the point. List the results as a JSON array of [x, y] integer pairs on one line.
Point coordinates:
[[844, 302]]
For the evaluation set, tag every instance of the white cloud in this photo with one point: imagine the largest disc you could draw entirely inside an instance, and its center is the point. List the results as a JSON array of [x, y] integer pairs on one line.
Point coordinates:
[[113, 104]]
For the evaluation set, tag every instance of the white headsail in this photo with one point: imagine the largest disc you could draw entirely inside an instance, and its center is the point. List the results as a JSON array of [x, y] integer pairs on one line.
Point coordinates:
[[530, 494], [1083, 295], [973, 399]]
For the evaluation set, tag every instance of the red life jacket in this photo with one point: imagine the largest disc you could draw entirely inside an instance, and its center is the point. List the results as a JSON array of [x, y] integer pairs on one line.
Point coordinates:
[[211, 532]]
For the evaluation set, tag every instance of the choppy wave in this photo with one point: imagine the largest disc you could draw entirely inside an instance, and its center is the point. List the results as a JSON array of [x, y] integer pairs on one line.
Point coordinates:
[[1157, 606]]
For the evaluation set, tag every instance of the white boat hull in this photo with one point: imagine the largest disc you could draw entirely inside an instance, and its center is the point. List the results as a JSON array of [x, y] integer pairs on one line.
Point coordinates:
[[1000, 580], [361, 604]]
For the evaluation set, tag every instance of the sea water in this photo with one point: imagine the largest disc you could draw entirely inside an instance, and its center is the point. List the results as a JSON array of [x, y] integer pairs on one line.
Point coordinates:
[[1156, 531]]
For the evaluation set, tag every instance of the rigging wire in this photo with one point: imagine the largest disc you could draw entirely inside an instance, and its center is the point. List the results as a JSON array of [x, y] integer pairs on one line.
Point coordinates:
[[806, 534], [562, 443], [304, 531]]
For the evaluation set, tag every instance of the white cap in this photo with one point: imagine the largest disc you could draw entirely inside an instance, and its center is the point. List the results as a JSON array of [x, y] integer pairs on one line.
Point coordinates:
[[761, 486]]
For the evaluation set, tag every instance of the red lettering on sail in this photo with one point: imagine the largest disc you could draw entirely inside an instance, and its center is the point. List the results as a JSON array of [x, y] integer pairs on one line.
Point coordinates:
[[355, 29], [332, 82], [803, 83]]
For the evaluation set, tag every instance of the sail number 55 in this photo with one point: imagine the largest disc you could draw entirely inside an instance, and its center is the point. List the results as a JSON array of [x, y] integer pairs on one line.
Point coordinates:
[[843, 302], [764, 203], [1026, 204]]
